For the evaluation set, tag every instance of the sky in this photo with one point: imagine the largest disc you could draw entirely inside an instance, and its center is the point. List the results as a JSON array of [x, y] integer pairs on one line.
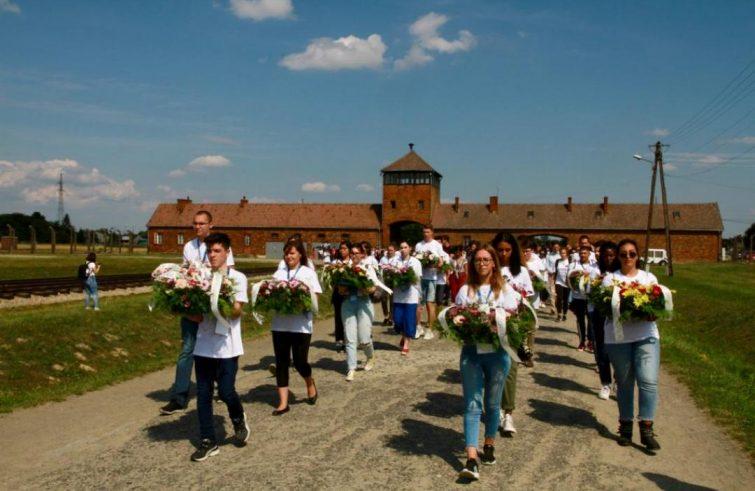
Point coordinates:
[[141, 102]]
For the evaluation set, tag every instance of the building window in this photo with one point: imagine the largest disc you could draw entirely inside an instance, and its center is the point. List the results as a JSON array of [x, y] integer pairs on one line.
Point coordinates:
[[598, 214], [247, 240], [180, 239], [393, 204], [274, 235], [320, 236], [530, 214], [677, 214], [157, 238], [467, 240], [421, 204], [466, 213], [345, 236]]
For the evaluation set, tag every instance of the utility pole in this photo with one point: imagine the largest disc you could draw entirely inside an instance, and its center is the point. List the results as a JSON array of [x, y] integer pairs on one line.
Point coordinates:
[[650, 211], [658, 168]]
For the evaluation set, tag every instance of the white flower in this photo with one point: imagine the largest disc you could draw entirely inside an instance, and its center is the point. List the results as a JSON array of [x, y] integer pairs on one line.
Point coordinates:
[[458, 320], [181, 283]]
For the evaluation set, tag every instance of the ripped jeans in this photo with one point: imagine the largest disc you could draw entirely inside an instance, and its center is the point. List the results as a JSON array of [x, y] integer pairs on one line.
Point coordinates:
[[482, 379]]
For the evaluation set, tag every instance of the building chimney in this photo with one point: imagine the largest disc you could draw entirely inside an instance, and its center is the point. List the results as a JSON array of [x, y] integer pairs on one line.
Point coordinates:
[[493, 206], [411, 147], [456, 204], [243, 202], [604, 206], [181, 203], [568, 204]]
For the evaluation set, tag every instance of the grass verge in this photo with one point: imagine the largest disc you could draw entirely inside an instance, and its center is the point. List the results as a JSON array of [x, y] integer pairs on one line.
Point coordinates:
[[50, 352], [709, 344]]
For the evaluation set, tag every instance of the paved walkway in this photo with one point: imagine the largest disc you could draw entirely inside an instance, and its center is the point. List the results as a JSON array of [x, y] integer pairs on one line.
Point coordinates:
[[397, 427]]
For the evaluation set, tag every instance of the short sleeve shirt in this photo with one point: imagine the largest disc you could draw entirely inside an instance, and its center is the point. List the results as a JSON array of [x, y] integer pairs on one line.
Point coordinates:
[[301, 323], [212, 345], [196, 250]]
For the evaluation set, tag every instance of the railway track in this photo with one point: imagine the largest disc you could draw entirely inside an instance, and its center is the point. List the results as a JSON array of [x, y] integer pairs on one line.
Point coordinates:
[[46, 287]]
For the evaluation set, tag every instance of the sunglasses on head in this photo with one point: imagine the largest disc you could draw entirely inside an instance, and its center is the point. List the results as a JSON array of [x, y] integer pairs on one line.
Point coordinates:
[[625, 255]]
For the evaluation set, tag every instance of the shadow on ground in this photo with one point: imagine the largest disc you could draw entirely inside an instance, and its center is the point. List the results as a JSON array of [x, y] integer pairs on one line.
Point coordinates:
[[185, 428], [264, 362], [421, 438], [441, 405], [668, 483], [557, 414], [559, 383], [450, 376], [562, 360]]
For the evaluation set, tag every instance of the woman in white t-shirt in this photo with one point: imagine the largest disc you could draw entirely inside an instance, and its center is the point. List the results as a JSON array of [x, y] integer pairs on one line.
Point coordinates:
[[405, 300], [636, 357], [90, 283], [293, 333], [561, 269]]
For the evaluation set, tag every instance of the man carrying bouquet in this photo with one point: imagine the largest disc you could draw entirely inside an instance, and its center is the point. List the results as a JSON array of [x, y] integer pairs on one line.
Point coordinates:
[[216, 353], [194, 251], [429, 279]]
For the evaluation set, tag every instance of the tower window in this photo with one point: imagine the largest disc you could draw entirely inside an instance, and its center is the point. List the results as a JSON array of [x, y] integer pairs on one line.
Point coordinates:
[[180, 239], [393, 204], [421, 204], [247, 240]]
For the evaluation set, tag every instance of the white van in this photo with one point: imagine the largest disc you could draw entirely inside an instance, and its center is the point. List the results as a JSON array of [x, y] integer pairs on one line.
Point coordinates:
[[657, 256]]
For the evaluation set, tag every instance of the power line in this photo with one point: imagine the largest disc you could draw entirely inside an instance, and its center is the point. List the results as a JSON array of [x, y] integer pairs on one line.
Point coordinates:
[[701, 181], [743, 118], [720, 164]]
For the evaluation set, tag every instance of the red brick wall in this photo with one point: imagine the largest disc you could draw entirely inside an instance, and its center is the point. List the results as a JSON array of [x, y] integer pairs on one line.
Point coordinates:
[[258, 238], [686, 246], [407, 197]]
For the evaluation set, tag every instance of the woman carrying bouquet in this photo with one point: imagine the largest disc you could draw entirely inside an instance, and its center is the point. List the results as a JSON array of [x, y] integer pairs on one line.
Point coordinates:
[[517, 277], [483, 370], [608, 262], [562, 284], [341, 257], [293, 333], [577, 270], [406, 298], [635, 357]]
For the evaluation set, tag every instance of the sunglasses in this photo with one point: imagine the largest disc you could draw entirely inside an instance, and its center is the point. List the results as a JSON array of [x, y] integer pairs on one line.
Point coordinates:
[[625, 255]]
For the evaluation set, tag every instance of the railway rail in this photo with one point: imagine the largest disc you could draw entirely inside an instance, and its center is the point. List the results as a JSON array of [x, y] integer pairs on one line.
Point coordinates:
[[46, 287]]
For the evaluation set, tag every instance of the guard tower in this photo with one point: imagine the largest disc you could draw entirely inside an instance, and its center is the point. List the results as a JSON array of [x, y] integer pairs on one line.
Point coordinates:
[[411, 191]]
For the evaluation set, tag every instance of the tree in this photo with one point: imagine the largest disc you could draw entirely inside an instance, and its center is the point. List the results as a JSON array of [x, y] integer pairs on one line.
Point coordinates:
[[67, 221]]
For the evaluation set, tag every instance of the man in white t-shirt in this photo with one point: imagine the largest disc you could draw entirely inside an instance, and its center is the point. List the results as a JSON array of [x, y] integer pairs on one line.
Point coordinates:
[[194, 251], [386, 301], [584, 241], [429, 280]]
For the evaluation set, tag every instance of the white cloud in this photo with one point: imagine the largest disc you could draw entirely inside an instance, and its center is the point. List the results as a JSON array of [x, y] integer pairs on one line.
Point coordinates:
[[427, 38], [667, 166], [658, 132], [35, 182], [223, 140], [345, 53], [522, 34], [320, 187], [177, 173], [749, 140], [264, 199], [258, 10], [209, 161], [365, 188], [10, 7]]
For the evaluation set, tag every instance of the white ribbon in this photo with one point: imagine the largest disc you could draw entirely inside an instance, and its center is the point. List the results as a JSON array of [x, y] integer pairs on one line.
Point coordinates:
[[222, 327], [500, 320], [583, 279], [669, 301], [372, 275]]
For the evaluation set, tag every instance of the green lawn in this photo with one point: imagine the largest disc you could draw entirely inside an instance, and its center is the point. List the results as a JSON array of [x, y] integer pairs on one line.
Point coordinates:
[[26, 266], [52, 351], [710, 344]]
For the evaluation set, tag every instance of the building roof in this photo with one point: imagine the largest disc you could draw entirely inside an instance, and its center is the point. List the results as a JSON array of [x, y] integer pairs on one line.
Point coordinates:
[[620, 216], [272, 215], [411, 162]]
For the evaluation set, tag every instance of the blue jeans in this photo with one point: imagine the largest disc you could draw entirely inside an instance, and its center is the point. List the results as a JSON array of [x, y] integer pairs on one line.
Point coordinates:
[[357, 314], [223, 371], [482, 379], [639, 361], [90, 291], [179, 392]]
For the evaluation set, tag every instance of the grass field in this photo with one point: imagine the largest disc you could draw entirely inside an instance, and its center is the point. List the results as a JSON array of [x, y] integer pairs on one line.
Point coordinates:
[[50, 352], [26, 266], [710, 344]]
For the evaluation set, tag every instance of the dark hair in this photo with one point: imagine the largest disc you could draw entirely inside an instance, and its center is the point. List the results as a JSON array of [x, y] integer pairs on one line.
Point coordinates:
[[603, 257], [496, 280], [91, 257], [367, 247], [218, 238], [395, 246], [344, 243], [205, 212], [584, 237], [428, 225], [624, 242], [515, 263], [405, 242], [357, 245], [585, 248], [299, 246]]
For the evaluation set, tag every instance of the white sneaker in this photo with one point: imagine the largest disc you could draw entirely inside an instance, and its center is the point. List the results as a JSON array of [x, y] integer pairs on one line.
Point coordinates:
[[429, 334], [605, 392], [97, 309], [508, 424], [87, 308], [350, 375], [370, 364], [420, 332]]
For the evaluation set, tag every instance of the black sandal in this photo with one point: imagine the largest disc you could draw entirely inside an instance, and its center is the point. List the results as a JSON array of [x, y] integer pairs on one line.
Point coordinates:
[[313, 400]]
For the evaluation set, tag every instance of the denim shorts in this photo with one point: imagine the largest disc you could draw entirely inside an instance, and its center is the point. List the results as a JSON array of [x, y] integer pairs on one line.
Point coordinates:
[[428, 292]]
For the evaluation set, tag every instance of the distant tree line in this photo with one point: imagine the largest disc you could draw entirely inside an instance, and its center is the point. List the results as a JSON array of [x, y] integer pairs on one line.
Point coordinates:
[[21, 222]]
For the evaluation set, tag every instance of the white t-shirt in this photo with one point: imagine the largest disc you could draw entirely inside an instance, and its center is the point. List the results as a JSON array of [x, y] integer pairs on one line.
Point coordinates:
[[537, 266], [211, 345], [576, 267], [282, 264], [436, 248], [386, 259], [410, 294], [593, 260], [508, 298], [550, 261], [441, 277], [196, 250], [300, 322], [521, 282], [91, 268], [633, 331], [562, 269]]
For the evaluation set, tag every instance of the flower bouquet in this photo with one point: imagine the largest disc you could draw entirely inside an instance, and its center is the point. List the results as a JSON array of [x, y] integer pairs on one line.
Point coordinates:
[[348, 275], [399, 277], [576, 283], [538, 285], [446, 267], [427, 259], [476, 324], [186, 290], [638, 302], [283, 297], [600, 297]]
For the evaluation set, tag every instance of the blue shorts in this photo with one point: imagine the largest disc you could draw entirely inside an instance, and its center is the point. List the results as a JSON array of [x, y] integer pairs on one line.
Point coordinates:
[[405, 318], [428, 292]]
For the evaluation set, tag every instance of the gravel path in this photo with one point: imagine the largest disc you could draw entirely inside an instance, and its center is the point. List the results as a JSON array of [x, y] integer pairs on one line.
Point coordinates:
[[397, 427]]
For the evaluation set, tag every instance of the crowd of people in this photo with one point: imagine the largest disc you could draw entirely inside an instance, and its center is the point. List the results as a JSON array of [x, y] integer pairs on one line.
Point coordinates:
[[503, 273]]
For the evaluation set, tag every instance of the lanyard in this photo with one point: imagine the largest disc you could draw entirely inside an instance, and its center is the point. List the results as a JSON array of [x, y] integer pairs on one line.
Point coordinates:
[[288, 273], [479, 296], [202, 257]]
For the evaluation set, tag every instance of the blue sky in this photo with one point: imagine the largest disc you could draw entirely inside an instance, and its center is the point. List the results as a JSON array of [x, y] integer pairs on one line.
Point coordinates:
[[284, 100]]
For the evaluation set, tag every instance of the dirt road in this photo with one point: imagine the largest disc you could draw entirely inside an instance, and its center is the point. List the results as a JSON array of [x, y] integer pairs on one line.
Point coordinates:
[[397, 427]]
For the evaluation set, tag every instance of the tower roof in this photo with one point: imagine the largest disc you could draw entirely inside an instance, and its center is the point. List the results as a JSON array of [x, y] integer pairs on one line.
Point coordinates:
[[410, 162]]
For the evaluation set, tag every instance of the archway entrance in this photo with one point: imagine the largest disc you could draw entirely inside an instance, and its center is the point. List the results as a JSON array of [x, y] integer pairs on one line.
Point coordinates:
[[545, 240], [406, 230]]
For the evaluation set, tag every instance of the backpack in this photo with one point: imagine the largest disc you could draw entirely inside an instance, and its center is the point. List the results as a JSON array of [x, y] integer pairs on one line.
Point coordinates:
[[82, 272]]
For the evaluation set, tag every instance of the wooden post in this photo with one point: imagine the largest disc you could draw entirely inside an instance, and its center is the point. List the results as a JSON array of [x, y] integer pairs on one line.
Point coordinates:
[[32, 240], [52, 240], [72, 248], [130, 242]]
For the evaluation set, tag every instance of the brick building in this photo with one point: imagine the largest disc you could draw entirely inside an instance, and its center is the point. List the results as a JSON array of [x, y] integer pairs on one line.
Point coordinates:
[[411, 195]]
